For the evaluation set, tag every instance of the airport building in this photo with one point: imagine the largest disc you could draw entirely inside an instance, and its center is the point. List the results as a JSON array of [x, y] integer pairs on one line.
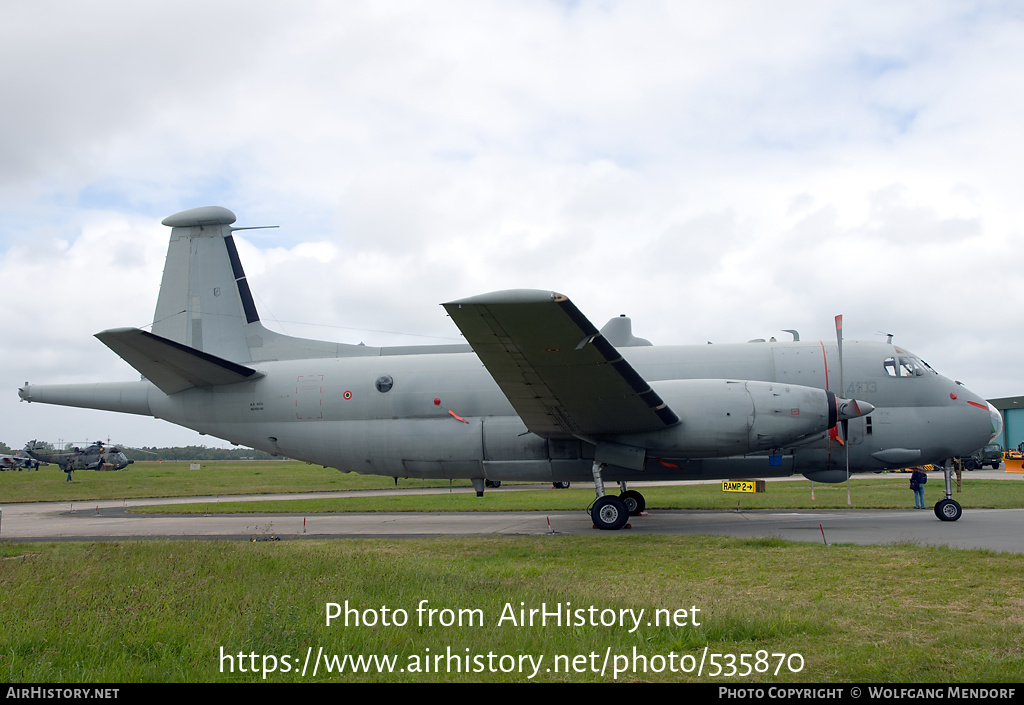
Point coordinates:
[[1012, 410]]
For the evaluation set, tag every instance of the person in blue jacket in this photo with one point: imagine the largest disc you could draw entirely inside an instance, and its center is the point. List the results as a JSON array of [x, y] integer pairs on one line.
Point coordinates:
[[917, 481]]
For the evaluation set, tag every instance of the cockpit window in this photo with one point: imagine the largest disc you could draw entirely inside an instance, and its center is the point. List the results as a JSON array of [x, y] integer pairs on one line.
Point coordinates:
[[906, 365]]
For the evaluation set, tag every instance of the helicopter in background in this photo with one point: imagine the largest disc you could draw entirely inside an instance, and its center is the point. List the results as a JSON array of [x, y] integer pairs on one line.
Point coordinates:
[[96, 456]]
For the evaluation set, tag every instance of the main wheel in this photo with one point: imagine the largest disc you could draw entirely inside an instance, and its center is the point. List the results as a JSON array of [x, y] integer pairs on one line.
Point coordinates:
[[494, 484], [635, 502], [609, 513], [563, 485], [948, 510]]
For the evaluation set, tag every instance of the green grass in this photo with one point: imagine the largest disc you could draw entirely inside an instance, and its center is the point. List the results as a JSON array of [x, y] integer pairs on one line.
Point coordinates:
[[875, 491], [162, 610], [175, 479]]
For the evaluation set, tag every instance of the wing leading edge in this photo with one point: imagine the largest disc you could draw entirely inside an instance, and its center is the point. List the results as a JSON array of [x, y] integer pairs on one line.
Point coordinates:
[[561, 375]]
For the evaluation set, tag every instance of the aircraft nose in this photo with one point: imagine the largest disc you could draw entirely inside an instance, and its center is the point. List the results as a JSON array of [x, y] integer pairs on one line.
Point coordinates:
[[982, 429], [997, 422]]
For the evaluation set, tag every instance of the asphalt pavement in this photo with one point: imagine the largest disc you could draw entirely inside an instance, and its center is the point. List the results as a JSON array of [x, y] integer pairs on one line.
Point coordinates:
[[993, 529]]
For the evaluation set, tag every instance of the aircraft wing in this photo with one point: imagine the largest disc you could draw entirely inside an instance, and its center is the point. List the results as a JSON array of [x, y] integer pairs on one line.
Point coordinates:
[[560, 374], [171, 366]]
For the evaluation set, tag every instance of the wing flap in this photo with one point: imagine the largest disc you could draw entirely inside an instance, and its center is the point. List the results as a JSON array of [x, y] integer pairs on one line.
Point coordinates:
[[557, 370], [173, 367]]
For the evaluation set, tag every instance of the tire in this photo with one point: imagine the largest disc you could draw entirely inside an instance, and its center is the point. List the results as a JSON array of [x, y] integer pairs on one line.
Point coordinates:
[[948, 510], [494, 484], [609, 513], [563, 485], [635, 502]]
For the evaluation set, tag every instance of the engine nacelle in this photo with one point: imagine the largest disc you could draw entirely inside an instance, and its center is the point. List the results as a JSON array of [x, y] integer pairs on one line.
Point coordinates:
[[720, 418]]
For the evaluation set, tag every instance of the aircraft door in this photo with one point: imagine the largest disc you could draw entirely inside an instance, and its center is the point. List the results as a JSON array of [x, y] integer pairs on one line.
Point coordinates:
[[309, 402]]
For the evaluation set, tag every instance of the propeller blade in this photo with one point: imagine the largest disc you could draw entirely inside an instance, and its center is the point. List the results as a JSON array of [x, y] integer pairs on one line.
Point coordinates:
[[854, 406], [839, 340]]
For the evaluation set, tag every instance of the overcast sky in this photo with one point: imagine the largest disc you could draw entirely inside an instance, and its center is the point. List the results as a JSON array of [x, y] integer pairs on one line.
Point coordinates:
[[717, 171]]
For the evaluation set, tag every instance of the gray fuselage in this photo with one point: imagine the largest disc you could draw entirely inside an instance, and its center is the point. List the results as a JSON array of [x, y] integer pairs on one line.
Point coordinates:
[[443, 416]]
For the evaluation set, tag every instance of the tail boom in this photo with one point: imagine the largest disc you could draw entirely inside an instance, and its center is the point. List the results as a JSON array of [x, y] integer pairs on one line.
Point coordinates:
[[122, 397]]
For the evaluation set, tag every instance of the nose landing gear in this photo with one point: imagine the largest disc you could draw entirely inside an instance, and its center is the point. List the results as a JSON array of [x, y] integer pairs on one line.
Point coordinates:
[[948, 509]]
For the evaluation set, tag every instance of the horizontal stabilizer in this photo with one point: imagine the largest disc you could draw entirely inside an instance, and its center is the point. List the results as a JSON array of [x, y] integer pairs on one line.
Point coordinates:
[[560, 374], [171, 366]]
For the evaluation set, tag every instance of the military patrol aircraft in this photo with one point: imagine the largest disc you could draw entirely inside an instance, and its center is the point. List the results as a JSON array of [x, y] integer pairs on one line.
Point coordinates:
[[95, 456], [539, 393]]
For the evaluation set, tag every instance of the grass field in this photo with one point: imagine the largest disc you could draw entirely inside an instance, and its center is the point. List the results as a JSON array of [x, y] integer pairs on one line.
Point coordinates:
[[158, 611], [161, 611], [869, 492], [175, 479]]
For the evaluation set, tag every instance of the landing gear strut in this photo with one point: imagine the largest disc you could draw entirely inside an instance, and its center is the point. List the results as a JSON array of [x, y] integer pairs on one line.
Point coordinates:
[[611, 512], [608, 511], [948, 509]]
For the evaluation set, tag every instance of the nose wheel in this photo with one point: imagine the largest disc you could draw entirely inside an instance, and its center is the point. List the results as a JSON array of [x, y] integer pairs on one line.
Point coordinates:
[[948, 509]]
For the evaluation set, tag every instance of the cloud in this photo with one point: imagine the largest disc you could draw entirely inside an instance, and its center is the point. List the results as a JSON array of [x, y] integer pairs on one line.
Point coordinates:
[[715, 171]]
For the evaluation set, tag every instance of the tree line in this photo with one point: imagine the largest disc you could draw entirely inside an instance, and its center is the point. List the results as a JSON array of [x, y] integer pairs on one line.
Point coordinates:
[[175, 453], [194, 453]]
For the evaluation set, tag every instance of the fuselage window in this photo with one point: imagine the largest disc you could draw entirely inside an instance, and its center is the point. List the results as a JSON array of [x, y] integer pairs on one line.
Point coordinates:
[[909, 367], [385, 383]]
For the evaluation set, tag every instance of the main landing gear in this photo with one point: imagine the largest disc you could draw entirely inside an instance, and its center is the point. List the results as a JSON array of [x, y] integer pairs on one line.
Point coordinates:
[[948, 509], [611, 512]]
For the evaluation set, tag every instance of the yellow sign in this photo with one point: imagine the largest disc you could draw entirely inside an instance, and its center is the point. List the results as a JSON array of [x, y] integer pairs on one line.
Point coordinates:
[[743, 486]]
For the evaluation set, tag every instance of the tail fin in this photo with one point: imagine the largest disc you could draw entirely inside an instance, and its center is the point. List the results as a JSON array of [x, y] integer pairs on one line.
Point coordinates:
[[205, 302]]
